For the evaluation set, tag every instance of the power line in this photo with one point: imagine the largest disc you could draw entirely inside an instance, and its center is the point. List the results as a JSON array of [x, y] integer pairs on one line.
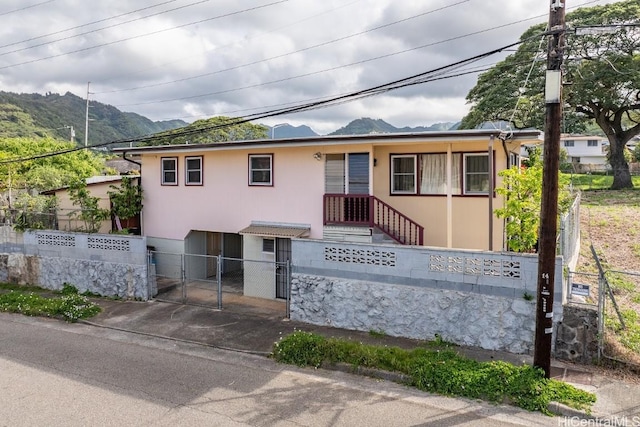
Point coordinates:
[[327, 43], [144, 35], [258, 35], [84, 25], [420, 78], [26, 7], [326, 69], [321, 45]]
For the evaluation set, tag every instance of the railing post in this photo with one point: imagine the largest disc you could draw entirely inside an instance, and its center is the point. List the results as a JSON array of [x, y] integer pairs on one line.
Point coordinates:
[[371, 211]]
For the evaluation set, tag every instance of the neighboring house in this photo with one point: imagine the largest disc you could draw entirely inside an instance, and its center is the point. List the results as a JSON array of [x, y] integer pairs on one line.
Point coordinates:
[[248, 199], [98, 186], [586, 153]]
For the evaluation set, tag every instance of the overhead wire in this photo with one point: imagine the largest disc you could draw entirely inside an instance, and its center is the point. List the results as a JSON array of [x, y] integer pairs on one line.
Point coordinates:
[[26, 7], [492, 28], [253, 86], [234, 43], [85, 25], [419, 78], [144, 35], [323, 44]]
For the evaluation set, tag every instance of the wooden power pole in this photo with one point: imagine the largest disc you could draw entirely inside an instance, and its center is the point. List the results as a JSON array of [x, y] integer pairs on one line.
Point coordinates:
[[549, 205]]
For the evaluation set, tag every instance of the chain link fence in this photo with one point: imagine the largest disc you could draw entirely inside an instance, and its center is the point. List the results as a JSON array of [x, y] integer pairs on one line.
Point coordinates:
[[617, 296], [621, 309], [213, 281]]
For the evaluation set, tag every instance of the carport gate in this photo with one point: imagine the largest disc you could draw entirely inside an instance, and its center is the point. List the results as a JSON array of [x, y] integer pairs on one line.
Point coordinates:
[[217, 282]]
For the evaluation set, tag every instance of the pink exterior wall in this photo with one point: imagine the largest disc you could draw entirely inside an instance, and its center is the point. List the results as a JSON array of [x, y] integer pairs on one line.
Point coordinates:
[[225, 202]]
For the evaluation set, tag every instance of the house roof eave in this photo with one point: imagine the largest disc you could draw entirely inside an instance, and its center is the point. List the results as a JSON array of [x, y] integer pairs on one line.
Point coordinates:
[[375, 139]]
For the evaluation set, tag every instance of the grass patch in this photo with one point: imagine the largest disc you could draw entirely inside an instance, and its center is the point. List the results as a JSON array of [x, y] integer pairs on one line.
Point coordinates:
[[70, 306], [21, 288], [619, 283], [596, 181], [438, 371]]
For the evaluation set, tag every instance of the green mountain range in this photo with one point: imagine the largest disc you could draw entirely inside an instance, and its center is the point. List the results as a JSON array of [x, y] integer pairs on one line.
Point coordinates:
[[29, 115], [366, 126], [64, 117]]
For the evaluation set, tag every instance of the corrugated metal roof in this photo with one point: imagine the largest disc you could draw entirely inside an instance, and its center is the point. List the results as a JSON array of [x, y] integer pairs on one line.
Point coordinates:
[[273, 231]]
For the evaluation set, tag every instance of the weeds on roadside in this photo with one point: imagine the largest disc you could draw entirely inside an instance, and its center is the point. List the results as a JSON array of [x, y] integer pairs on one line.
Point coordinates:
[[70, 306], [438, 371]]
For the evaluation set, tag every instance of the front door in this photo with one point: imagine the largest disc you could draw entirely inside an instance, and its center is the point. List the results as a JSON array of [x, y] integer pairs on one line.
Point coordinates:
[[283, 254]]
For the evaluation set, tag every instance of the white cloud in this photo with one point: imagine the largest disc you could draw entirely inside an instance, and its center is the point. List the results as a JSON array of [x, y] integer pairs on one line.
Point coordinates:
[[229, 45]]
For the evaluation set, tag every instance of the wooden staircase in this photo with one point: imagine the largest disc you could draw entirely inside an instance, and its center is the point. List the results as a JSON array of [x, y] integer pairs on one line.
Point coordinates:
[[366, 210]]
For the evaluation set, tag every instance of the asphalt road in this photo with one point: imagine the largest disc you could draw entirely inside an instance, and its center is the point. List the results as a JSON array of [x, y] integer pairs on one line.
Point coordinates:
[[58, 374]]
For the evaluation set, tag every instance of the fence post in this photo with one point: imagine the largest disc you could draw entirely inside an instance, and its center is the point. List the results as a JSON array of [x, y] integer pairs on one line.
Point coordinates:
[[183, 278], [219, 280], [287, 273], [601, 299]]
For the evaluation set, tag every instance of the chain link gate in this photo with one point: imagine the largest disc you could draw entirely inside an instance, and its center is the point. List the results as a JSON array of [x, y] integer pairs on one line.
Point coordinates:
[[215, 281]]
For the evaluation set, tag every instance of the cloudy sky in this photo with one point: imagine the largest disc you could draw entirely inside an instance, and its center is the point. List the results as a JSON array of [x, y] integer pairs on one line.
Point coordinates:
[[193, 59]]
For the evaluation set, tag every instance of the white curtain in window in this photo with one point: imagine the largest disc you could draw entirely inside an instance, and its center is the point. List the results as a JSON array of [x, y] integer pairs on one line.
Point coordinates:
[[433, 176]]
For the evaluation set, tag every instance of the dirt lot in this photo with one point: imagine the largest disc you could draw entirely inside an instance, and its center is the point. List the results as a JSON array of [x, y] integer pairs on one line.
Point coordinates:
[[610, 220]]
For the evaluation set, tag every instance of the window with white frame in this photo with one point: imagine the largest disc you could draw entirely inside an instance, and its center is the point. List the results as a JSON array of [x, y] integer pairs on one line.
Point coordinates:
[[592, 143], [569, 143], [261, 169], [433, 173], [193, 167], [476, 173], [169, 170], [403, 174]]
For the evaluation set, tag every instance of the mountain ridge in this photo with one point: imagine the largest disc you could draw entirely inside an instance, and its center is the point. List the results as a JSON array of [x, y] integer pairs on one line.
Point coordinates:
[[64, 116]]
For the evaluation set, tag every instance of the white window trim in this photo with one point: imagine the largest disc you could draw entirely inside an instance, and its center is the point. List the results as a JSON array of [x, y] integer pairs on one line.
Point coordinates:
[[415, 173], [163, 170], [464, 173], [187, 181], [264, 184]]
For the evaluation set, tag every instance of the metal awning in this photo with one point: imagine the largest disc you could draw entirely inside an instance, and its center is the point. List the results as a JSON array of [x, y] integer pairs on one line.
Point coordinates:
[[275, 231]]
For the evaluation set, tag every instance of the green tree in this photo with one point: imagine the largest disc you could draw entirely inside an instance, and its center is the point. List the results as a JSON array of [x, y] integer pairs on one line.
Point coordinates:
[[636, 153], [126, 200], [47, 172], [35, 212], [522, 190], [214, 129], [603, 69], [89, 211]]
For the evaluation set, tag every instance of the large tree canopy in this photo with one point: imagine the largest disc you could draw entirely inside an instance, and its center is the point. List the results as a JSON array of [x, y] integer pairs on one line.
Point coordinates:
[[601, 80], [214, 129], [47, 172]]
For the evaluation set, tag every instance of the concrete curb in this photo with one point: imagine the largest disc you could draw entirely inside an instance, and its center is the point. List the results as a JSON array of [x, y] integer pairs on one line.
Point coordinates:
[[567, 411]]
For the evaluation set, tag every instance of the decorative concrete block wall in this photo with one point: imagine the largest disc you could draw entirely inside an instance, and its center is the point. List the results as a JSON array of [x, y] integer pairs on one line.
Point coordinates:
[[475, 298], [109, 265]]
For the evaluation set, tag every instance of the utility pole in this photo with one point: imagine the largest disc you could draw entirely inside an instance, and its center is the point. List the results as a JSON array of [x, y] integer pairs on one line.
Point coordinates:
[[72, 134], [549, 204], [86, 120]]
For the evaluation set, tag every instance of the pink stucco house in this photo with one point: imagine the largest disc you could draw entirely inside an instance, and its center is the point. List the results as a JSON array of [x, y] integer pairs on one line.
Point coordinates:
[[247, 199]]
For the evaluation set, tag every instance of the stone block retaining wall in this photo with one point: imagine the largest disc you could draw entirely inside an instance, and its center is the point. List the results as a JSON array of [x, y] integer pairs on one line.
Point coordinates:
[[108, 265], [475, 298]]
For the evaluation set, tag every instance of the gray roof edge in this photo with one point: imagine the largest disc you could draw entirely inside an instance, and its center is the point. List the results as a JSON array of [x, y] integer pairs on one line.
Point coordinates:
[[336, 139]]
